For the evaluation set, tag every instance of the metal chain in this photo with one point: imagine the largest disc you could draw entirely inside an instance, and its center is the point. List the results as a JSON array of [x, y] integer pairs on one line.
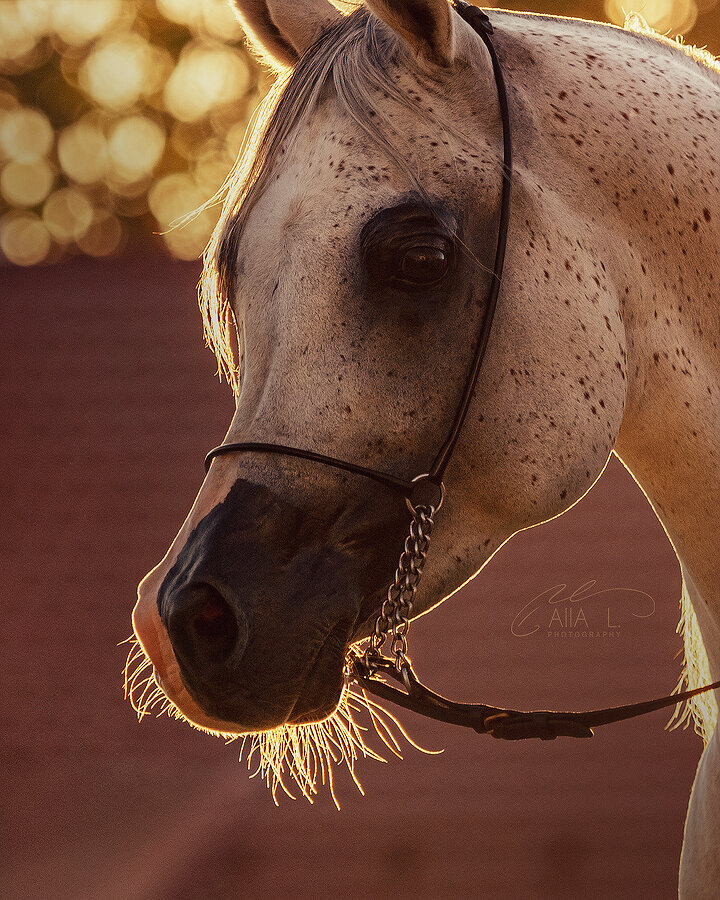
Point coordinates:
[[396, 610]]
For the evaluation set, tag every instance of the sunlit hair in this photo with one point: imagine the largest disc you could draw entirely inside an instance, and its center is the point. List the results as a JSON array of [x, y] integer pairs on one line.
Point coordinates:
[[355, 56], [305, 755], [634, 22], [701, 711]]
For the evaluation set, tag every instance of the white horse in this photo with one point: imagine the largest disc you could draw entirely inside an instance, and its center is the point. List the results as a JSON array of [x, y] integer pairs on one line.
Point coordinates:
[[351, 263]]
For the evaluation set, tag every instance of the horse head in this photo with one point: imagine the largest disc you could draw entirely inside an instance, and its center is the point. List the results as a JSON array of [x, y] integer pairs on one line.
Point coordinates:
[[352, 265]]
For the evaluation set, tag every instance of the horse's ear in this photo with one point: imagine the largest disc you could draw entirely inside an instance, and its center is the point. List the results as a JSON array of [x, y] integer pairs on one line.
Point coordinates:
[[282, 30], [426, 25]]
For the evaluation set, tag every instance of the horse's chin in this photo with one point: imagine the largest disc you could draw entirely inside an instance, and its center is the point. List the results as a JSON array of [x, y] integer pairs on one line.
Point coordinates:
[[316, 699], [323, 687]]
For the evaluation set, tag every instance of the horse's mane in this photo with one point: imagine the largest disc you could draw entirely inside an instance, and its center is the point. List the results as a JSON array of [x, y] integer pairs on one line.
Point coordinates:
[[635, 23], [355, 57]]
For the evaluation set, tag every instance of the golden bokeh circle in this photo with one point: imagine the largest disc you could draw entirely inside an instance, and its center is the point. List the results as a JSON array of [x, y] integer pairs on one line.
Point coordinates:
[[26, 184], [24, 239], [173, 197], [18, 32], [212, 17], [188, 240], [26, 135], [80, 21], [135, 147], [82, 151], [67, 215], [206, 76], [176, 202], [117, 70]]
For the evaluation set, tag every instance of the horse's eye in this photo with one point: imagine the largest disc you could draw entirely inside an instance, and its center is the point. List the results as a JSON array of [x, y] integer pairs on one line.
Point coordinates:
[[410, 250], [424, 265]]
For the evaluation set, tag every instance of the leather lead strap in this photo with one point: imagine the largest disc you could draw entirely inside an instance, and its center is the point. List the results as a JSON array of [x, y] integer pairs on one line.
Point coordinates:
[[501, 723]]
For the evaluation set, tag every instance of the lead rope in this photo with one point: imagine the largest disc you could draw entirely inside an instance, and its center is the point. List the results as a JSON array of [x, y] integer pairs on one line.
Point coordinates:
[[372, 670]]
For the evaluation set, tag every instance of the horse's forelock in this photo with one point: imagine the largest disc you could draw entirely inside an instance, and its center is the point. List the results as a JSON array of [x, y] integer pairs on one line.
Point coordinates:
[[357, 54]]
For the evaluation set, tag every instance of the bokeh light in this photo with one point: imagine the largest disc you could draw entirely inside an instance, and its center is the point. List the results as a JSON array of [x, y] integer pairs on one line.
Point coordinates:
[[24, 239], [118, 118], [18, 32], [79, 21], [26, 135], [171, 199], [82, 151], [212, 17], [205, 77], [26, 184], [666, 16], [135, 147], [67, 215], [116, 72]]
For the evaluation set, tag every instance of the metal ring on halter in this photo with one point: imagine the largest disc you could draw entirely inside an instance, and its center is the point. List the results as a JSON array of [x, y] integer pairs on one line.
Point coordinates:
[[426, 477]]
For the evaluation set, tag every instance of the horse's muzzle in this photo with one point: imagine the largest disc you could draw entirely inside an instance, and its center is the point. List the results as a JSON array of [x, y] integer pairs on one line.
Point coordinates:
[[255, 613], [209, 638]]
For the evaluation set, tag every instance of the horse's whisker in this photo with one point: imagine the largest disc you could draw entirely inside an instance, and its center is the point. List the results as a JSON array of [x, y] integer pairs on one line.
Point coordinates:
[[304, 754]]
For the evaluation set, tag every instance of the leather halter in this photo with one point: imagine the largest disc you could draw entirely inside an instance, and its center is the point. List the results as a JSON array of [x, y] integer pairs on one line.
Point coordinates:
[[497, 721]]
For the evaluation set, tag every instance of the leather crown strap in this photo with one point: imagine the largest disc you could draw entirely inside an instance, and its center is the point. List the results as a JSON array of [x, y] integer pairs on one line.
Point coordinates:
[[506, 724]]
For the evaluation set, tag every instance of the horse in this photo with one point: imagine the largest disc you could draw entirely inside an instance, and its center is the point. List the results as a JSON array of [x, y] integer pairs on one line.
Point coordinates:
[[349, 271]]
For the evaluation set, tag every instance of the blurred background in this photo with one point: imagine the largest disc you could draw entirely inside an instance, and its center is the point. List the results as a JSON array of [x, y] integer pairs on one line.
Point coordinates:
[[117, 117]]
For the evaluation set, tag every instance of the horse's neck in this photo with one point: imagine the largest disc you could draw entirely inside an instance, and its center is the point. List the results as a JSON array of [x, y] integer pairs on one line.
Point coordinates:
[[670, 441], [624, 133]]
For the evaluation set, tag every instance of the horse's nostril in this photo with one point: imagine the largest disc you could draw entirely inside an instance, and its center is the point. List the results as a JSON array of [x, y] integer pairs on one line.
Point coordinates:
[[204, 629], [214, 620]]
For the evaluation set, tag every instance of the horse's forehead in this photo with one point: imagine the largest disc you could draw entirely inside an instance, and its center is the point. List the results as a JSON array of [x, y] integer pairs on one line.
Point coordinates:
[[333, 166], [318, 192], [329, 156]]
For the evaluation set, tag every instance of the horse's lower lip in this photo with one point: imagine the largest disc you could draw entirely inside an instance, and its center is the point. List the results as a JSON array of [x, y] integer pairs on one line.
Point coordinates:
[[158, 681], [321, 691]]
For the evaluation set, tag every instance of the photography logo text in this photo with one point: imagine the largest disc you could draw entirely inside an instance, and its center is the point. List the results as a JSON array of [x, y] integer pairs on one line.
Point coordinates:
[[584, 612]]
